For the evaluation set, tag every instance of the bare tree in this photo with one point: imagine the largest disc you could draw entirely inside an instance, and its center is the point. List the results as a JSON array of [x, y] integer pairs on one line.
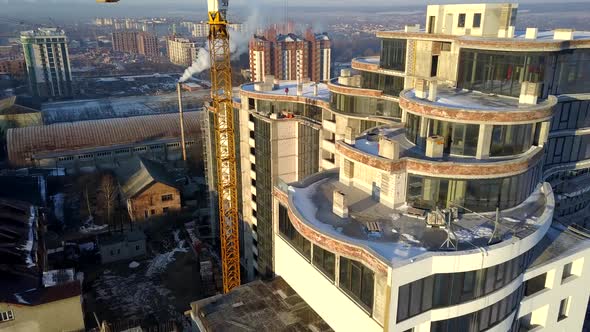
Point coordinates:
[[108, 192]]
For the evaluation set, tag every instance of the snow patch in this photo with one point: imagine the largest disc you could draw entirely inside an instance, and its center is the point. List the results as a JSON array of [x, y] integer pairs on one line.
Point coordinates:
[[133, 265], [161, 261]]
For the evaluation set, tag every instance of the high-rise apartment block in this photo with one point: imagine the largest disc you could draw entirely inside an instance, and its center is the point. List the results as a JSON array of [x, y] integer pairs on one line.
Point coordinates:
[[48, 63], [441, 186], [182, 51], [290, 56], [137, 42]]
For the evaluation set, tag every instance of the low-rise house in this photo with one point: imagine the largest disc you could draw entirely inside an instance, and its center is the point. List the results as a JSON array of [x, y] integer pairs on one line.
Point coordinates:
[[122, 246], [150, 191]]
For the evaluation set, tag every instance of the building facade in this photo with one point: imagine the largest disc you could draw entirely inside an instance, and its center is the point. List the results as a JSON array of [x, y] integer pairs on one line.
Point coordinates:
[[290, 56], [453, 179], [48, 63], [137, 42], [150, 192], [182, 51], [16, 68]]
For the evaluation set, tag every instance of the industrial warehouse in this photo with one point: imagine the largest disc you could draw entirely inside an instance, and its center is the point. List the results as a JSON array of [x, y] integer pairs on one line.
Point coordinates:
[[101, 144]]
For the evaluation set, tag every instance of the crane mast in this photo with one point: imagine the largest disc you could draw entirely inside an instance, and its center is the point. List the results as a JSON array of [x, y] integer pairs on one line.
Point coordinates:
[[221, 95]]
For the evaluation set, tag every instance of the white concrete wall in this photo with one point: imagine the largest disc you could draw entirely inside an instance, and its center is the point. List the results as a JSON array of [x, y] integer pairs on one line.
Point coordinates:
[[544, 305], [339, 311]]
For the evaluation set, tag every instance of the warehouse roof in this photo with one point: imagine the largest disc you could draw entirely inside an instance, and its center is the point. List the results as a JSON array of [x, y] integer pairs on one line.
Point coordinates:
[[22, 143]]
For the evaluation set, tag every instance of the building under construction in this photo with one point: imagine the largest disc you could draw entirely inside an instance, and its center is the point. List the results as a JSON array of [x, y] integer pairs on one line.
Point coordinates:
[[441, 186]]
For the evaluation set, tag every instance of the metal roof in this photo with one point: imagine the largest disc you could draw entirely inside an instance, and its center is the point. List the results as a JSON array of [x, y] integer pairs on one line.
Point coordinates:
[[22, 143]]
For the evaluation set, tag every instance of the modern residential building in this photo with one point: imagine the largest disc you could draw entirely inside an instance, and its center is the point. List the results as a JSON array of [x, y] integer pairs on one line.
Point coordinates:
[[48, 63], [182, 51], [454, 176], [290, 56], [138, 42]]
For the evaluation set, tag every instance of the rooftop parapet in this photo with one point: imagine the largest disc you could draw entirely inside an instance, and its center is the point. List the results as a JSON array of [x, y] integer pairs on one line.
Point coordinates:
[[405, 237]]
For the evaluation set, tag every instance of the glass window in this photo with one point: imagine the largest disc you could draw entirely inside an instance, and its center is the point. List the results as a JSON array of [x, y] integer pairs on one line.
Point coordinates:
[[511, 140], [357, 281], [499, 72], [364, 105], [289, 233], [572, 72], [460, 139], [461, 22], [393, 54], [535, 284], [477, 20], [412, 127], [324, 261], [563, 309], [390, 85], [567, 271]]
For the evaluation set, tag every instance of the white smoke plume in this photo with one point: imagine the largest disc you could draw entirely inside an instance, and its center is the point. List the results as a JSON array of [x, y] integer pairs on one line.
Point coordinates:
[[238, 42], [203, 63]]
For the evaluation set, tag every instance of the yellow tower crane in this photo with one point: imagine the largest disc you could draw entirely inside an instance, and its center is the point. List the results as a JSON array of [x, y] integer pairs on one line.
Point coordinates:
[[227, 184]]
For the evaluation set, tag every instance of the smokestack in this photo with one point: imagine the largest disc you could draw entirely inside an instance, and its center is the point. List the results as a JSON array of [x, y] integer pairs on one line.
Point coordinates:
[[182, 141]]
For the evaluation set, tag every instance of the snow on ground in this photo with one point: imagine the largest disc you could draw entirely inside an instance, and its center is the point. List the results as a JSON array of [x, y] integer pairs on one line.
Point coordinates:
[[410, 238], [392, 251], [466, 235], [134, 265], [161, 261]]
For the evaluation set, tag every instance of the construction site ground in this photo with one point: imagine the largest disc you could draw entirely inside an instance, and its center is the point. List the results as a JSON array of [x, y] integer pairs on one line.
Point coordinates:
[[156, 292]]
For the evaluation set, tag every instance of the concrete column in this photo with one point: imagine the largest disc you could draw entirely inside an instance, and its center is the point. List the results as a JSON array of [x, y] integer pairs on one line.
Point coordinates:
[[544, 132], [423, 131], [483, 141]]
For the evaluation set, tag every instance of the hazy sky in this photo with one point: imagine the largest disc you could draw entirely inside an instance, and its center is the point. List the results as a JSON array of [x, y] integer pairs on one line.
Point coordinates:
[[71, 9]]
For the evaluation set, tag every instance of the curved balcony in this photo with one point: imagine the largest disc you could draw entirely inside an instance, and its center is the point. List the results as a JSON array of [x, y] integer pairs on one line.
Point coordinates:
[[413, 159], [403, 238], [467, 106]]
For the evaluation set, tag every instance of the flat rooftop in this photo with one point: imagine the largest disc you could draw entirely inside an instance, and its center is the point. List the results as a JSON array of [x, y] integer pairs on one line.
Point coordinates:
[[403, 236], [105, 108], [323, 91], [468, 99], [519, 35], [258, 306], [559, 241]]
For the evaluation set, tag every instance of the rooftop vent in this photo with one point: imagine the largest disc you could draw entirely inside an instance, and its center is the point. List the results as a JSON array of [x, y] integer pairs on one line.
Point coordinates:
[[316, 88], [435, 146], [432, 91], [563, 34], [350, 135], [412, 28], [529, 93], [506, 33], [340, 206], [420, 88], [267, 85], [299, 88], [531, 33], [388, 148]]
